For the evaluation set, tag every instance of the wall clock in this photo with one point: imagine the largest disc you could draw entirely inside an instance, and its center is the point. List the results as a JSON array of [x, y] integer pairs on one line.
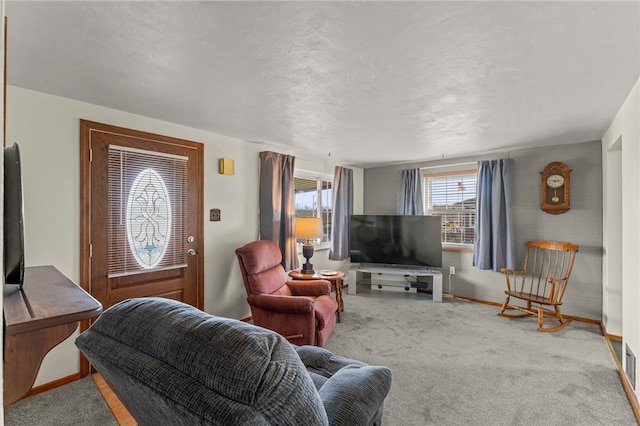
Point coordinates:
[[555, 188]]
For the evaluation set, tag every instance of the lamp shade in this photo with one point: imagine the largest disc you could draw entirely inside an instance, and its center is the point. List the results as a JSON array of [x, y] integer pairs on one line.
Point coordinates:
[[308, 227]]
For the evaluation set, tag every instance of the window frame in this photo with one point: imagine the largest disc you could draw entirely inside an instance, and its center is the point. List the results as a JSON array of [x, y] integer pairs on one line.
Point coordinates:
[[319, 178], [426, 175]]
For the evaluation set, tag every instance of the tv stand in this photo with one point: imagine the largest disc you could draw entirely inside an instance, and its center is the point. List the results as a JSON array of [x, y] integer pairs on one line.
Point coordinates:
[[394, 276]]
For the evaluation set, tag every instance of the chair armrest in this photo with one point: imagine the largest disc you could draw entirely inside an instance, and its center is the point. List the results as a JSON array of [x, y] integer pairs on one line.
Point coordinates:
[[284, 304], [512, 271], [309, 287]]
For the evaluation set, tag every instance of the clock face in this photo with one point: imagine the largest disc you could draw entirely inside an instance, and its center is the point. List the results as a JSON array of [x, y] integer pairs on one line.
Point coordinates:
[[555, 181]]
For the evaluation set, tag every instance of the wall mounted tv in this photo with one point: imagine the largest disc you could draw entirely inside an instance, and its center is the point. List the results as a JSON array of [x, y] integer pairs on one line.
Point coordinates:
[[396, 240], [13, 218]]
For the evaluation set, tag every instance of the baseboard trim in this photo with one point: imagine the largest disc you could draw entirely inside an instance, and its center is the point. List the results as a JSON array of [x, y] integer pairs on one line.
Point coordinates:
[[628, 389], [52, 385], [631, 396], [571, 317]]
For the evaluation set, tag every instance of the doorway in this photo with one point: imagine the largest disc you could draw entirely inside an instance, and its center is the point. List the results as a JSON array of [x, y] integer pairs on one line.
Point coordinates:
[[141, 227]]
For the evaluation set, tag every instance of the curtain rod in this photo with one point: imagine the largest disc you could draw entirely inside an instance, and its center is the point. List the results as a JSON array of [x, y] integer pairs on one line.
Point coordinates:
[[450, 165]]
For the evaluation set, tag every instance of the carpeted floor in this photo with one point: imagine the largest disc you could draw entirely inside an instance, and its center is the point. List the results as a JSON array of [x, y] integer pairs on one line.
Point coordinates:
[[78, 403], [458, 363], [453, 363]]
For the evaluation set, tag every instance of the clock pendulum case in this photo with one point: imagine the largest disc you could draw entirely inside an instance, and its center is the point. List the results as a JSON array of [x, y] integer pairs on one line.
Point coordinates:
[[555, 188]]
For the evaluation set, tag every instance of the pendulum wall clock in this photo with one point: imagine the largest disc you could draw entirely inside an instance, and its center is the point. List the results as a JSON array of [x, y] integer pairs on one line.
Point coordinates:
[[555, 188]]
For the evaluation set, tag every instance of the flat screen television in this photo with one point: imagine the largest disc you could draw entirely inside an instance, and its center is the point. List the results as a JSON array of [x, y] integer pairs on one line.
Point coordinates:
[[396, 240], [13, 218]]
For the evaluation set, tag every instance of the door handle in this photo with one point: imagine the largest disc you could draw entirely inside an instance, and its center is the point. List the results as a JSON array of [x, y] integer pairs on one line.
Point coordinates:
[[191, 252]]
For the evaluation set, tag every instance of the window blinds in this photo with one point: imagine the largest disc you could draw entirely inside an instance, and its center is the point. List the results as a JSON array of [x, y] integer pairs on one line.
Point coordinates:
[[147, 211], [452, 196]]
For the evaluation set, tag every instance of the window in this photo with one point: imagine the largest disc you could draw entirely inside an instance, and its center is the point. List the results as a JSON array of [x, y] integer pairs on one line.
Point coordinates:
[[147, 207], [313, 198], [452, 196]]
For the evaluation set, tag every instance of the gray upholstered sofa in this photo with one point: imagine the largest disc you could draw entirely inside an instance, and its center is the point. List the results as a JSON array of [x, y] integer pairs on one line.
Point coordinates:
[[172, 364]]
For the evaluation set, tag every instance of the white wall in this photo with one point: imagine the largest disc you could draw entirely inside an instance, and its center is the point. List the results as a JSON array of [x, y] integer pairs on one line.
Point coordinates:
[[47, 129], [621, 155]]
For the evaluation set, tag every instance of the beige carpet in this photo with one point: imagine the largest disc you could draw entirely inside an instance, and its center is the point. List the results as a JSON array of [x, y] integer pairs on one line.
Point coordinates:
[[458, 363], [78, 403], [453, 363]]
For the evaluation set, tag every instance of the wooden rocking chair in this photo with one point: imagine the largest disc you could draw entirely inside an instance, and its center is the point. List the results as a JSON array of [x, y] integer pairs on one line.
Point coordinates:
[[541, 283]]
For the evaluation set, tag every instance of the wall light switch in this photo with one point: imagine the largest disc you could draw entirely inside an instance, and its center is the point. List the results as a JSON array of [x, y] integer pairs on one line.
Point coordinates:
[[214, 215]]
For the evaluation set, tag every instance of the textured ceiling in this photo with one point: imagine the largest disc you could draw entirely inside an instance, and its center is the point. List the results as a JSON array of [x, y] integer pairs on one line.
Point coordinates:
[[371, 83]]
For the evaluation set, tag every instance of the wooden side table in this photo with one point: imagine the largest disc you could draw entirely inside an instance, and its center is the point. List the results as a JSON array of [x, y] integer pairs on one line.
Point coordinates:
[[335, 280], [40, 316]]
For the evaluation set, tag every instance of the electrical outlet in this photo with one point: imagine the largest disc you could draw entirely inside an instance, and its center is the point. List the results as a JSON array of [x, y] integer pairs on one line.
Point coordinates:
[[452, 270]]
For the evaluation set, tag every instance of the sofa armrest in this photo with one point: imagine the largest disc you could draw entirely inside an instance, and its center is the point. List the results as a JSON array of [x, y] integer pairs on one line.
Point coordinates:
[[352, 392], [323, 362], [310, 287], [355, 395], [284, 304]]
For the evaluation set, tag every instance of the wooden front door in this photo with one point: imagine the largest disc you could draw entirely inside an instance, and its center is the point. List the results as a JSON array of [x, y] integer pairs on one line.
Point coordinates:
[[141, 215]]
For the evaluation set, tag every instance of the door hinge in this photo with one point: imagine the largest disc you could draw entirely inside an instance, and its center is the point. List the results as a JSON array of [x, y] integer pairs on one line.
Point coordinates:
[[90, 250], [91, 155]]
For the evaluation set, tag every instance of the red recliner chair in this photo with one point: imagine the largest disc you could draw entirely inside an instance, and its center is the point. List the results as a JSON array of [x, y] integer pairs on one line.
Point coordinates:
[[302, 311]]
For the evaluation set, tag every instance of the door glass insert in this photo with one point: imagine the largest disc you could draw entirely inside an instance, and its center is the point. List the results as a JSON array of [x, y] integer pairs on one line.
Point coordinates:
[[148, 218], [147, 211]]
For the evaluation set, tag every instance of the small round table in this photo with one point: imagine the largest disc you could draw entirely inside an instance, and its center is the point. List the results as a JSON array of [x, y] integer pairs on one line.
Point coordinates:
[[335, 280]]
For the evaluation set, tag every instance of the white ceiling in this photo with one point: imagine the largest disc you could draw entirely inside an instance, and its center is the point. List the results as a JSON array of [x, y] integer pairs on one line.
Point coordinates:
[[371, 83]]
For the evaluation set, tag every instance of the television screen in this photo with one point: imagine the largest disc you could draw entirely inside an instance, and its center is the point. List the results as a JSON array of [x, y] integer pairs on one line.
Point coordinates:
[[396, 240], [13, 218]]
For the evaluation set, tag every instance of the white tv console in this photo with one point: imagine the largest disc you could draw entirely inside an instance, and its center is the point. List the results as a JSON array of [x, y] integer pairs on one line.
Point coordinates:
[[395, 276]]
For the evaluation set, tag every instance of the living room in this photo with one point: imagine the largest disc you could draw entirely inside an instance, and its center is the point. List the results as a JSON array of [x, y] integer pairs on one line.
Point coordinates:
[[604, 200]]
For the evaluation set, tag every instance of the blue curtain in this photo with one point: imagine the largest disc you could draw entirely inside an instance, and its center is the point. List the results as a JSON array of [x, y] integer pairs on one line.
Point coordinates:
[[342, 211], [277, 209], [410, 195], [494, 241]]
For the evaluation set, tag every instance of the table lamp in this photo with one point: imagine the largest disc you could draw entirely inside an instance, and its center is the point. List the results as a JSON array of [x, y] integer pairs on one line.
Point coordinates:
[[309, 228]]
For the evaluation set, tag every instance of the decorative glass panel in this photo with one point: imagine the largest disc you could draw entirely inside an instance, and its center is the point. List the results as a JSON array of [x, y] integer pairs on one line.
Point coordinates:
[[148, 218], [147, 211]]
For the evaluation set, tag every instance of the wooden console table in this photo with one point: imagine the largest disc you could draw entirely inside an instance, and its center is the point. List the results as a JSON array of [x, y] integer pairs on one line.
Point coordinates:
[[37, 318], [335, 280]]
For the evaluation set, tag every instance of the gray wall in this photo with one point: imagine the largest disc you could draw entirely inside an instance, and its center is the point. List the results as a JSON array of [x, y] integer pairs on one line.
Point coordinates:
[[582, 225]]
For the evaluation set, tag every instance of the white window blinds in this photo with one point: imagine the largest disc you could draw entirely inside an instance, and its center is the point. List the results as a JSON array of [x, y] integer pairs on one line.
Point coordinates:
[[452, 196], [147, 202]]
